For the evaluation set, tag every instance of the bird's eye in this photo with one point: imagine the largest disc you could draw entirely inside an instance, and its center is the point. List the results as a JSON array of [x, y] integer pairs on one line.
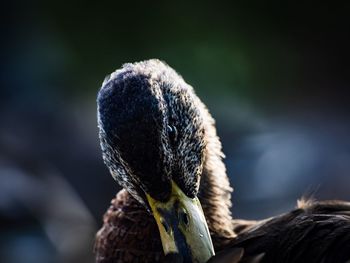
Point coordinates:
[[183, 217], [172, 131]]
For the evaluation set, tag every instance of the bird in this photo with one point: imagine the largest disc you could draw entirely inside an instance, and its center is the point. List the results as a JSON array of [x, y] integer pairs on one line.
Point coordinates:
[[316, 231], [160, 144]]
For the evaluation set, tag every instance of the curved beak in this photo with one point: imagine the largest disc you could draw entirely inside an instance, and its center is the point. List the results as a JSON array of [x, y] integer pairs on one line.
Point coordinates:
[[182, 227]]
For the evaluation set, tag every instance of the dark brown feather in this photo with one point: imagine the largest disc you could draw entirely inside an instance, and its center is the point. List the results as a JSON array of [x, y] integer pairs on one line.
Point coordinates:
[[129, 233], [315, 232], [214, 195]]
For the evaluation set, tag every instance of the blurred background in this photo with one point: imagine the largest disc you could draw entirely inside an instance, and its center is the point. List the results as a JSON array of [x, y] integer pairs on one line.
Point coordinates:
[[276, 77]]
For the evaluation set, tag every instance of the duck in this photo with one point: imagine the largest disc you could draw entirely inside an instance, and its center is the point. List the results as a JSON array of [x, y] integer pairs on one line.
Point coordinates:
[[159, 142]]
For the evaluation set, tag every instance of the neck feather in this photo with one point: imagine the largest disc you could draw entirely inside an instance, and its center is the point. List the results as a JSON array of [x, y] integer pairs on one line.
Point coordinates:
[[215, 190]]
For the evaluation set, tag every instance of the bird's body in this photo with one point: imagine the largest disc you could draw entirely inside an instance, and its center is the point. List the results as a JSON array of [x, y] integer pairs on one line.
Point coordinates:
[[129, 233], [159, 142], [314, 232]]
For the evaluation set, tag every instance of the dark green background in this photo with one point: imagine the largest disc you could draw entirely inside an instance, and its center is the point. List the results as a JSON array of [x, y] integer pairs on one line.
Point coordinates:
[[274, 75]]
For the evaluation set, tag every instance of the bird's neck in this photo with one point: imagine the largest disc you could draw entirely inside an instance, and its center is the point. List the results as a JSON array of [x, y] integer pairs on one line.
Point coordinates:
[[215, 191]]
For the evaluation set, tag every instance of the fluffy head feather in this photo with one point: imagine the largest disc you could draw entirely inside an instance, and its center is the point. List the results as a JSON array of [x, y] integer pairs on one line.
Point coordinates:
[[151, 130]]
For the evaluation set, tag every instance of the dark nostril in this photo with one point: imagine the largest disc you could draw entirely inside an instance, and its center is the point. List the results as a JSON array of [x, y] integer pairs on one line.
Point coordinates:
[[165, 225], [184, 217]]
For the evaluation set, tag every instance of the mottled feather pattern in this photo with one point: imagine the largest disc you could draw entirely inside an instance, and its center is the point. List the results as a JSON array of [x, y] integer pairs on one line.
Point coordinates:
[[129, 234], [118, 167], [176, 103], [129, 86], [198, 155]]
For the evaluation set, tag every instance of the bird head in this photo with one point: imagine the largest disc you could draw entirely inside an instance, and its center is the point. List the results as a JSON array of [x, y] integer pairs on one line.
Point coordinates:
[[152, 137]]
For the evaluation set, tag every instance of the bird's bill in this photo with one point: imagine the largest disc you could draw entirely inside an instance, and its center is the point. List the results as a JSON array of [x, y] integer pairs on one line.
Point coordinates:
[[182, 227]]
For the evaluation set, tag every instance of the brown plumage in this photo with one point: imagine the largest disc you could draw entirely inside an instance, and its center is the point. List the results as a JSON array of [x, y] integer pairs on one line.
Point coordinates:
[[214, 190], [129, 233], [314, 232]]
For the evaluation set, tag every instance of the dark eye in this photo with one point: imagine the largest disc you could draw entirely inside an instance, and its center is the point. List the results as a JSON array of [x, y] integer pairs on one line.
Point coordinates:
[[172, 131], [183, 217]]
